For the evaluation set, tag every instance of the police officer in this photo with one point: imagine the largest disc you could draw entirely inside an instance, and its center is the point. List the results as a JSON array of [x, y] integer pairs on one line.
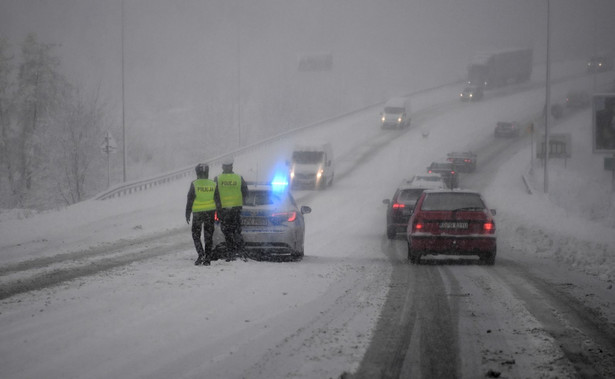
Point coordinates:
[[202, 205], [231, 190]]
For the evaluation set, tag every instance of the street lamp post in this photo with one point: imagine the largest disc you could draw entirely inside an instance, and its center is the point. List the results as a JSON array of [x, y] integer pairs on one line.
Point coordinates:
[[238, 74], [547, 101], [123, 106]]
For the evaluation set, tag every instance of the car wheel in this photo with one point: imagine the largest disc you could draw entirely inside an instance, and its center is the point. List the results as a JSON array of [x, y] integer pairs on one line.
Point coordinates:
[[297, 256], [413, 256], [391, 232], [488, 258]]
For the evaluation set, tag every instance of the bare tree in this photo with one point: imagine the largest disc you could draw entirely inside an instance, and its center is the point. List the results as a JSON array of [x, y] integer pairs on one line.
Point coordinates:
[[75, 144], [40, 88], [5, 116]]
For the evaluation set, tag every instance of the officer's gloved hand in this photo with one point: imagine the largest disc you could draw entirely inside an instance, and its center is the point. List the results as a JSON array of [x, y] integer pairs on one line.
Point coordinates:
[[188, 219]]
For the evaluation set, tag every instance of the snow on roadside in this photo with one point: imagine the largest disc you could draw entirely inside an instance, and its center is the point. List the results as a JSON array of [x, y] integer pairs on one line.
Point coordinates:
[[572, 223]]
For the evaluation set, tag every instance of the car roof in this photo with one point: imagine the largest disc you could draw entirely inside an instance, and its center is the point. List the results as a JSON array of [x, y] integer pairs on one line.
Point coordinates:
[[456, 191]]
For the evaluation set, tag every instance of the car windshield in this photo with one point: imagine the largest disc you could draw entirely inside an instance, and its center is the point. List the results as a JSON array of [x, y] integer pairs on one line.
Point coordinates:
[[410, 195], [394, 110], [262, 197], [307, 157], [451, 201]]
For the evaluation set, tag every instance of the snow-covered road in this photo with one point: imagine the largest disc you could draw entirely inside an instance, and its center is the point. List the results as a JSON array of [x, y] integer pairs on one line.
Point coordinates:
[[126, 300]]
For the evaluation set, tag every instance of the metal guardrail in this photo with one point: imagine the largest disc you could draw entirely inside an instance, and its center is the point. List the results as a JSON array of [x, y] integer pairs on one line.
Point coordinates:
[[140, 185], [144, 184]]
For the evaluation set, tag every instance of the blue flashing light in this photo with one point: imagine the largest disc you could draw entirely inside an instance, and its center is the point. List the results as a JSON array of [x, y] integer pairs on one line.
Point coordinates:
[[279, 183]]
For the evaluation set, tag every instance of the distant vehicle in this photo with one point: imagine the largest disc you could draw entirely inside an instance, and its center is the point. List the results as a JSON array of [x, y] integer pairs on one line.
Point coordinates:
[[272, 224], [432, 180], [557, 110], [471, 93], [400, 206], [396, 113], [463, 161], [601, 63], [507, 129], [447, 171], [577, 99], [311, 166], [499, 68], [451, 223]]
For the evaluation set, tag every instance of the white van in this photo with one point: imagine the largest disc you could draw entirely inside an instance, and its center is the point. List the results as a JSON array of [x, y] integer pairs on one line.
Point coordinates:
[[311, 166], [396, 113]]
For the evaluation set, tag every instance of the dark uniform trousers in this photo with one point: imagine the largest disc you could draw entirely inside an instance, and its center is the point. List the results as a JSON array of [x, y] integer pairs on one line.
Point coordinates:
[[203, 221], [230, 220]]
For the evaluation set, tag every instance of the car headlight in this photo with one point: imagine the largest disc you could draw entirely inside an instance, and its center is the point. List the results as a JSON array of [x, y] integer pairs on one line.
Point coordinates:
[[319, 173], [398, 119], [383, 119]]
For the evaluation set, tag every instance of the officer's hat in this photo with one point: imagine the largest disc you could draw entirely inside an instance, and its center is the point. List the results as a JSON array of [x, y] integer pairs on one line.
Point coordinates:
[[228, 161]]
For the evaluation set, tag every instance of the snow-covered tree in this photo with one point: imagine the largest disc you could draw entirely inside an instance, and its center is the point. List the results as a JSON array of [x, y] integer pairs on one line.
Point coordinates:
[[6, 86], [75, 139], [40, 90]]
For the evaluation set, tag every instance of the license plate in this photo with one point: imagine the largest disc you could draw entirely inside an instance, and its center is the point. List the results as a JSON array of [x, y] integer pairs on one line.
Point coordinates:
[[253, 221], [453, 225]]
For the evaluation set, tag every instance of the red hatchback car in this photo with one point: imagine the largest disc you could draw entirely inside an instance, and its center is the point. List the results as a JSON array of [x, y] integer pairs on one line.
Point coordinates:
[[452, 223]]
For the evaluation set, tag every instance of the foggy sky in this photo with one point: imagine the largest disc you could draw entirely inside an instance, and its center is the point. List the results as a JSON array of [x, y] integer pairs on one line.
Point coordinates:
[[199, 57]]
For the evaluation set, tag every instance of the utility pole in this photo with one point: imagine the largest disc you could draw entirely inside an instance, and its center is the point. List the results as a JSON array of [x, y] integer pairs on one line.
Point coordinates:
[[123, 105], [548, 100], [238, 74]]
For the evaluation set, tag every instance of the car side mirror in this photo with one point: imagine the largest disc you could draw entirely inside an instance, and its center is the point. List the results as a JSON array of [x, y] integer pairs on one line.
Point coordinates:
[[305, 209], [386, 201], [493, 211]]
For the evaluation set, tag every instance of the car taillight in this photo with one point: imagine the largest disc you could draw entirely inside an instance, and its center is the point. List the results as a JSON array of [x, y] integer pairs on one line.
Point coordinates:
[[489, 227], [285, 216], [467, 160], [429, 171], [452, 172], [398, 205], [417, 226]]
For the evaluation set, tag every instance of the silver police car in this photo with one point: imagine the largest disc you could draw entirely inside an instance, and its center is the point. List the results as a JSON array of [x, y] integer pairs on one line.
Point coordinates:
[[272, 224]]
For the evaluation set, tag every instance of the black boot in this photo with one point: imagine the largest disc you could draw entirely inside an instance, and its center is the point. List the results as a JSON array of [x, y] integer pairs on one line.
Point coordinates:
[[199, 260], [207, 259]]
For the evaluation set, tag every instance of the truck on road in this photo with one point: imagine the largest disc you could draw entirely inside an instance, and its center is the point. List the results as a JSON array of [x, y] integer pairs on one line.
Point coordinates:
[[496, 69]]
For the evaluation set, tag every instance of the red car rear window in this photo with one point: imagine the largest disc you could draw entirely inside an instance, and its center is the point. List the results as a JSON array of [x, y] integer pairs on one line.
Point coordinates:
[[450, 201]]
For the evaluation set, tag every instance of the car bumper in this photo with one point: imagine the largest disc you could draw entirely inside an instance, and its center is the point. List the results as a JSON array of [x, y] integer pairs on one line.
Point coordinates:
[[453, 245], [270, 241], [392, 124]]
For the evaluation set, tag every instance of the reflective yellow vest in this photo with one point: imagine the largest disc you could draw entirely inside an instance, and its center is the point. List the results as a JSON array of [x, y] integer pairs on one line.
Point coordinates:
[[204, 201], [229, 187]]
